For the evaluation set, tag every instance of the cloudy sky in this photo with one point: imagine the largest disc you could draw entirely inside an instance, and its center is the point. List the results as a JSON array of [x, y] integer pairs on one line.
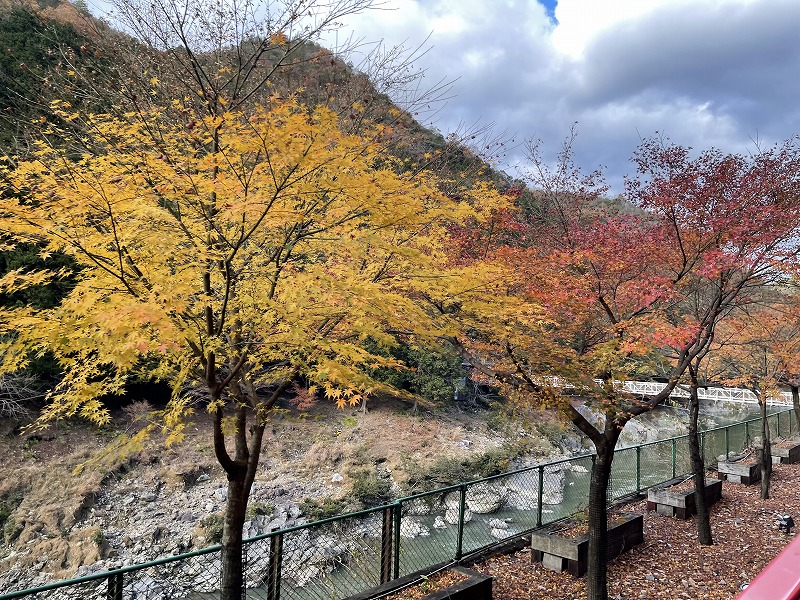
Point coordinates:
[[723, 73]]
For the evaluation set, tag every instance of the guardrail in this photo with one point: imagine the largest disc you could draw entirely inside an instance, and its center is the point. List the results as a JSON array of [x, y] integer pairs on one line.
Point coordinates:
[[780, 579], [350, 554]]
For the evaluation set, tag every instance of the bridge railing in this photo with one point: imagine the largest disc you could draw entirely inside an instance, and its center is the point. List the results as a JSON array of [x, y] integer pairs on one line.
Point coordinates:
[[652, 388], [348, 555]]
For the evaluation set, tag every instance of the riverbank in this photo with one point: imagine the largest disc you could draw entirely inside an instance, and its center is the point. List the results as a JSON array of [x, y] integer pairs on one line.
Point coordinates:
[[670, 564]]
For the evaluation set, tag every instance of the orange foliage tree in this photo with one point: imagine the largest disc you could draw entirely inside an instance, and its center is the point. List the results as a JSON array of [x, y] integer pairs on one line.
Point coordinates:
[[630, 286], [761, 352], [734, 221]]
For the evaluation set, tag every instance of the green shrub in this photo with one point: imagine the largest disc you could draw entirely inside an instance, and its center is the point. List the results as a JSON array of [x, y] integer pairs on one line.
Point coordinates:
[[449, 471], [256, 509], [370, 489], [433, 373], [213, 525], [11, 530], [322, 508], [99, 538], [552, 432], [8, 526]]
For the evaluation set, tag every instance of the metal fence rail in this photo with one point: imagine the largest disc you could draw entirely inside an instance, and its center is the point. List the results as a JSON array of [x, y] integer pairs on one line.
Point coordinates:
[[350, 554]]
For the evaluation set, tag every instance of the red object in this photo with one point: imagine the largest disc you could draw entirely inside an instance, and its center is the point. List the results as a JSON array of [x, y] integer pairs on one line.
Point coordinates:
[[780, 579]]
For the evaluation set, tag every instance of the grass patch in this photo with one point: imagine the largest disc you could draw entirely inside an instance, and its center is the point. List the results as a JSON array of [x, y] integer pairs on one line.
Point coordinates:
[[322, 508], [213, 525], [448, 471], [370, 489]]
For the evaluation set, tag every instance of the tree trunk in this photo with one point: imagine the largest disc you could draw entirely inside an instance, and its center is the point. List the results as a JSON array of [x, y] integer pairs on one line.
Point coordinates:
[[596, 576], [766, 449], [232, 563], [698, 467], [796, 404], [241, 473]]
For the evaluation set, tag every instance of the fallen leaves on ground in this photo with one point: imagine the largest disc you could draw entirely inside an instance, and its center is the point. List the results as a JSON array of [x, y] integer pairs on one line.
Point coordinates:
[[435, 582], [670, 563]]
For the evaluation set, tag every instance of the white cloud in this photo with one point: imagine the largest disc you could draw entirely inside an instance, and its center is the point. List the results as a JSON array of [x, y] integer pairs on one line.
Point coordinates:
[[705, 72]]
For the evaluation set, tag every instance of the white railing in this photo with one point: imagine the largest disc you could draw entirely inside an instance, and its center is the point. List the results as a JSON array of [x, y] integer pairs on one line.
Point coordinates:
[[651, 388], [725, 394]]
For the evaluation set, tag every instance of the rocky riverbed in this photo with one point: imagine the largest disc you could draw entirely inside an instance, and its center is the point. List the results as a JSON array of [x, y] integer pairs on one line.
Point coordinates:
[[162, 502]]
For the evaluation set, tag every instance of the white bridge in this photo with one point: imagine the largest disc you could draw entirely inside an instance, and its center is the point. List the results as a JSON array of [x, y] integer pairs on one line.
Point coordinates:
[[726, 394], [651, 388]]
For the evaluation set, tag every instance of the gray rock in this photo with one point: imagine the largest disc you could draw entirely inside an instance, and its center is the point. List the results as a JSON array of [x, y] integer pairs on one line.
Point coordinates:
[[484, 499], [452, 500], [553, 485], [279, 522], [303, 575], [500, 534], [147, 588], [411, 528], [451, 516]]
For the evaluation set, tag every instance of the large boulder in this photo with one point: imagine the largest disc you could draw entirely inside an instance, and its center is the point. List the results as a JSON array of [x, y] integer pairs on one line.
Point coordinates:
[[484, 499], [451, 515], [411, 528], [553, 485], [523, 490]]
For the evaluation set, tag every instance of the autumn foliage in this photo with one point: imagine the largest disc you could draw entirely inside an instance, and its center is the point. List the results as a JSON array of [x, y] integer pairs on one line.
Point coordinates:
[[232, 255]]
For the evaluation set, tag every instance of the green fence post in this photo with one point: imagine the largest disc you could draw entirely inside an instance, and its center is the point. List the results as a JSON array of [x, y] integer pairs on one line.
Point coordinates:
[[539, 497], [746, 433], [115, 586], [274, 567], [727, 441], [386, 544], [397, 516], [462, 505], [638, 469], [674, 456], [778, 424]]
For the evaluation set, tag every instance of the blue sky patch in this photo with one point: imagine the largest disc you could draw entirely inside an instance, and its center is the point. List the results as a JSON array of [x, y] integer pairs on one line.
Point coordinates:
[[550, 9]]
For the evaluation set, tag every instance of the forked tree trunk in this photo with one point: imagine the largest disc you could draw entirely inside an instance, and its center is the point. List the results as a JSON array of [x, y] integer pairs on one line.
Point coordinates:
[[766, 449], [704, 536], [241, 472]]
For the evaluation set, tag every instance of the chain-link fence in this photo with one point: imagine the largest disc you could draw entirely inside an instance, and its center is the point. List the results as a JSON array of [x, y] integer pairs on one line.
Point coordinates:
[[348, 555], [194, 575]]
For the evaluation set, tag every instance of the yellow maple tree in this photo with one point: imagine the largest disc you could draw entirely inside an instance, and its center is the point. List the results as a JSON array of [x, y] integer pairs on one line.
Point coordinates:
[[232, 254]]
